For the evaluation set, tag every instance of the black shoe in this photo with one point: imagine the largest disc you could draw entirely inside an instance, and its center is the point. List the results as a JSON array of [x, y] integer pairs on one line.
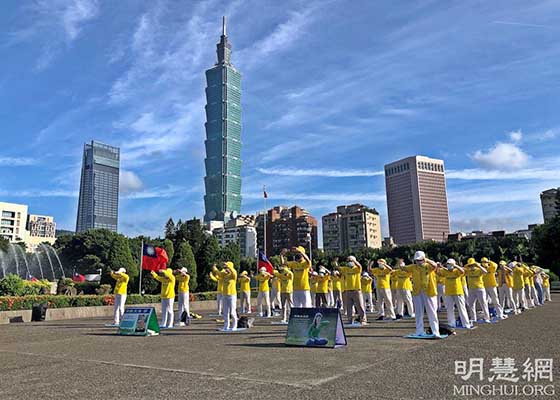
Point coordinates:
[[398, 316], [380, 318]]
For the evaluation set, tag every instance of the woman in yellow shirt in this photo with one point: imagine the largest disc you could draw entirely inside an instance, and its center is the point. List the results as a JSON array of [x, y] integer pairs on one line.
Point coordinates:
[[322, 281], [286, 278], [228, 274], [505, 287], [167, 279], [300, 267], [403, 287], [120, 293], [183, 278], [219, 290], [477, 294], [263, 278], [337, 289], [490, 286], [454, 295], [245, 292], [383, 288], [353, 290], [518, 285], [275, 302], [546, 287], [367, 291]]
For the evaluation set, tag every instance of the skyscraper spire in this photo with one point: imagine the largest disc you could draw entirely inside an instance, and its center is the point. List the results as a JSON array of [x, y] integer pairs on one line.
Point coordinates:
[[223, 49], [224, 26]]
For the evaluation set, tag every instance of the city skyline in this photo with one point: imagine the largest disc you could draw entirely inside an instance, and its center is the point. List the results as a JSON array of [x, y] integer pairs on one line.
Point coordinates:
[[400, 82]]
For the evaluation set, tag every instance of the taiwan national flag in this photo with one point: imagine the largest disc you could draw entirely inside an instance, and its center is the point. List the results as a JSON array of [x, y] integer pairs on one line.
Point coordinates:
[[264, 263], [78, 277], [154, 258]]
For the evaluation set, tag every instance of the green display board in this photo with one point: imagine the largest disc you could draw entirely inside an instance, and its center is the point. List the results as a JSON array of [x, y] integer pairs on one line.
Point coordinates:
[[139, 321], [315, 327]]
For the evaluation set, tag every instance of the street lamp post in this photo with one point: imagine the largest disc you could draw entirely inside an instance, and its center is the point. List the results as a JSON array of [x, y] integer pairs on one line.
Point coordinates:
[[310, 247]]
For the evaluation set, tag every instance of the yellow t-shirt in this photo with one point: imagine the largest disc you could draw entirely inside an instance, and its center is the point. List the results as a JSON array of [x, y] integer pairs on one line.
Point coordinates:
[[518, 278], [263, 282], [529, 277], [490, 277], [351, 277], [167, 283], [229, 277], [122, 282], [244, 283], [323, 284], [301, 274], [453, 283], [286, 278], [219, 280], [423, 279], [440, 280], [394, 279], [183, 285], [383, 276], [337, 283], [505, 277], [403, 280], [366, 284], [546, 281], [474, 278], [313, 283], [275, 283]]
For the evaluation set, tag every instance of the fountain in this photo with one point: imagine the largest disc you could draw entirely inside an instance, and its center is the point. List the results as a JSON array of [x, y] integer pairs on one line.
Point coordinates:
[[24, 255], [58, 260], [11, 247], [2, 264], [39, 264], [46, 251]]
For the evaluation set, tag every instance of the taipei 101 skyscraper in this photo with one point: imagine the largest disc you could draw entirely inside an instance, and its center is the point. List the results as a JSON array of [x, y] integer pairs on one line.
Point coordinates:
[[222, 200]]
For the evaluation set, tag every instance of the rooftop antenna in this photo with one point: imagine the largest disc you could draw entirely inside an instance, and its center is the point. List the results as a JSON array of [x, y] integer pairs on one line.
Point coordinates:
[[224, 26]]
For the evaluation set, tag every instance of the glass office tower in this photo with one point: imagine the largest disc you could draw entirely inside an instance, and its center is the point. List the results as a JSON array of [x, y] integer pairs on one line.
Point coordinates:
[[98, 203], [223, 136]]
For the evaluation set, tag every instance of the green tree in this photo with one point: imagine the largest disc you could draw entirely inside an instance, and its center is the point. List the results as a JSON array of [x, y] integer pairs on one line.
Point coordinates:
[[546, 242], [4, 243], [207, 255], [231, 252], [169, 249], [248, 264], [184, 258], [170, 229], [119, 256]]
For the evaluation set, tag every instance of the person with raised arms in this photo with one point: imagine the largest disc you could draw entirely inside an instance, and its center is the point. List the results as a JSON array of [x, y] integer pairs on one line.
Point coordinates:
[[519, 298], [286, 278], [490, 286], [403, 290], [529, 286], [474, 272], [275, 302], [219, 289], [245, 292], [546, 287], [383, 288], [337, 289], [228, 274], [322, 279], [167, 280], [367, 291], [424, 293], [121, 285], [263, 278], [454, 295], [300, 268], [183, 278], [505, 288], [440, 289], [353, 290]]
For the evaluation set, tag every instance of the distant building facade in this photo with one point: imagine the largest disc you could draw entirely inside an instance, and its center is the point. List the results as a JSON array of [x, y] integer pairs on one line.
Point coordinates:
[[287, 227], [548, 203], [13, 221], [41, 229], [417, 200], [350, 228], [98, 203]]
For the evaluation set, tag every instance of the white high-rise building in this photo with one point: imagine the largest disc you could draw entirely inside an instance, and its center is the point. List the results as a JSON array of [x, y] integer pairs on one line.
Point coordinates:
[[13, 219]]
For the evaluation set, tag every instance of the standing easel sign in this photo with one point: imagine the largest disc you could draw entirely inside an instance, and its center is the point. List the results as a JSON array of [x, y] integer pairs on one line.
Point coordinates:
[[139, 321], [315, 327]]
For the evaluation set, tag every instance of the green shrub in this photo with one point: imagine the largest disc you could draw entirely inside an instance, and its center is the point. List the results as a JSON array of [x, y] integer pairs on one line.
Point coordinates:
[[86, 287], [12, 285]]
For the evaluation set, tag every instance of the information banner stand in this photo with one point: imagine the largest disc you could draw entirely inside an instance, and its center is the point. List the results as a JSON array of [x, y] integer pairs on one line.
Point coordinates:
[[315, 327], [139, 321]]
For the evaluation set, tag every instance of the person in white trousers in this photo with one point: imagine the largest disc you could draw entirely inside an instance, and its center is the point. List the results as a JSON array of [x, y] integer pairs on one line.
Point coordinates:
[[263, 278], [120, 293], [490, 286], [229, 294], [167, 280], [505, 287], [219, 289], [383, 288], [424, 293], [477, 294], [245, 292], [300, 266], [454, 295], [183, 278], [275, 301], [403, 287], [367, 291], [546, 287], [286, 278], [518, 272]]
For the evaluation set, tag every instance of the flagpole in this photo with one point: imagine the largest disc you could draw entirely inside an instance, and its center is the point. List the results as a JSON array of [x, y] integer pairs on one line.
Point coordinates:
[[140, 280], [264, 196]]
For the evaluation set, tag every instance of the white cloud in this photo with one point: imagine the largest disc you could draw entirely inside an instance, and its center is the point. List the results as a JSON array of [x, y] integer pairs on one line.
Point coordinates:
[[516, 136], [476, 174], [129, 182], [341, 197], [76, 13], [503, 156], [17, 161], [330, 173]]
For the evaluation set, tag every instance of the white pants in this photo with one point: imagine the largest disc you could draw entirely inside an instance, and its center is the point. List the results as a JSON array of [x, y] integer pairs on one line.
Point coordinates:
[[534, 295], [404, 297], [368, 300], [263, 296], [287, 304], [529, 296], [219, 303], [229, 305], [245, 299], [429, 303], [120, 301], [519, 298], [302, 299], [337, 298], [466, 291], [330, 299], [275, 298], [167, 313], [183, 299], [506, 296], [459, 302], [546, 293], [440, 295], [492, 294], [385, 301], [478, 295]]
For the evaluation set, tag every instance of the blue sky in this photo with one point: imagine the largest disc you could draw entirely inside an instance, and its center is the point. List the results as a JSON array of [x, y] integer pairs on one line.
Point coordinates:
[[332, 90]]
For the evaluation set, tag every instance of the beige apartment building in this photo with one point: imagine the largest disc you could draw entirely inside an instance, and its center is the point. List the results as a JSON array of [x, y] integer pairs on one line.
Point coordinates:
[[13, 218], [417, 200], [40, 229], [548, 203], [350, 228]]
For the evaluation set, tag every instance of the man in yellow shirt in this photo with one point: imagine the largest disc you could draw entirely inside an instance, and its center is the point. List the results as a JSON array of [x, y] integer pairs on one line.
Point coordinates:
[[424, 292], [490, 286], [300, 267], [454, 295], [367, 291], [529, 286], [120, 293], [546, 287], [474, 272], [505, 287], [518, 272], [337, 289], [403, 287], [167, 280], [322, 280], [183, 278], [219, 290], [353, 290], [286, 278], [245, 292], [263, 278], [383, 288], [228, 274], [275, 302]]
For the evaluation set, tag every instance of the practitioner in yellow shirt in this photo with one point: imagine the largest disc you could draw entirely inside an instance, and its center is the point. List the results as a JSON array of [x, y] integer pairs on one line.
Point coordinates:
[[546, 287], [474, 272], [367, 291], [383, 288], [490, 286], [454, 295], [167, 280], [286, 278], [120, 293], [275, 302], [322, 279], [263, 278], [245, 292], [313, 286], [228, 274], [300, 267], [403, 288], [183, 278], [353, 289], [518, 272], [505, 286], [440, 290], [219, 290], [529, 286], [337, 289]]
